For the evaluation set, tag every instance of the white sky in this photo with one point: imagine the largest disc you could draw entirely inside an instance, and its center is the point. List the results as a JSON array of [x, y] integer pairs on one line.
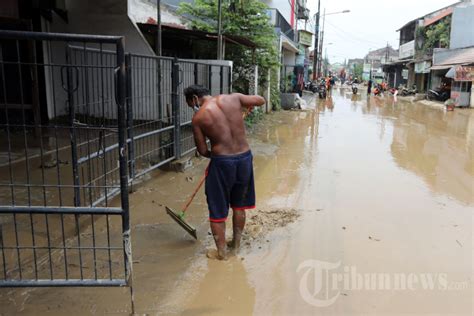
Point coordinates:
[[369, 25]]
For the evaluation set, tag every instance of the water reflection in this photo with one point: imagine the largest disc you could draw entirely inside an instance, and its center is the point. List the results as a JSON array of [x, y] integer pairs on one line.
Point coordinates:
[[434, 144]]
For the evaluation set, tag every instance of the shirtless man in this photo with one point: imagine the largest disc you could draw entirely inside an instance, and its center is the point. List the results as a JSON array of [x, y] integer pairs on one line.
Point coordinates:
[[229, 180]]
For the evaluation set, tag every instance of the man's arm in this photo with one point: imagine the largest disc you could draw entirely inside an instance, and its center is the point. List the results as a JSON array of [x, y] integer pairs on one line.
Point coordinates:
[[249, 101], [200, 141]]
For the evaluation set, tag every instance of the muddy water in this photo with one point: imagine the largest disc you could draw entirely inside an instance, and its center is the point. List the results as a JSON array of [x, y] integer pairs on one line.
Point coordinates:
[[381, 187]]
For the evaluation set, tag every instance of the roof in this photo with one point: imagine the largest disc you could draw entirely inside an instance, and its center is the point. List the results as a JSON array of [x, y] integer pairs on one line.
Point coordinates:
[[451, 57], [421, 17], [180, 31], [408, 23], [439, 16]]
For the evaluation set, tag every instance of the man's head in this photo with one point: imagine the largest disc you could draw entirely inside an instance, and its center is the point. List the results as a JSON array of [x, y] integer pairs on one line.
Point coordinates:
[[194, 95]]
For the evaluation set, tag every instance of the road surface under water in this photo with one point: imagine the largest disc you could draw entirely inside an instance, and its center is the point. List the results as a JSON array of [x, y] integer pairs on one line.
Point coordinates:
[[385, 195]]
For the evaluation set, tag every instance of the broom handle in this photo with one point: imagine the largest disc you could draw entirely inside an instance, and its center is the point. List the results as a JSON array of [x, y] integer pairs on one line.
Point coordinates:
[[201, 182]]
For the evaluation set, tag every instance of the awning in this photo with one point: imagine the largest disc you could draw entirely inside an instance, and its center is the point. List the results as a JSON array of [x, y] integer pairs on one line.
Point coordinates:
[[441, 67], [288, 44], [451, 73]]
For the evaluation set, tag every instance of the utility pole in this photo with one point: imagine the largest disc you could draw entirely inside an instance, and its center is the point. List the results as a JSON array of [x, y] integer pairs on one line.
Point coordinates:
[[219, 29], [315, 51], [158, 32], [322, 42]]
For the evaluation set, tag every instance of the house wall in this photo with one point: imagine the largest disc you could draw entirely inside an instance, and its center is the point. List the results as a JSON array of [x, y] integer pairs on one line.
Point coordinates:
[[283, 6], [142, 11], [96, 17], [462, 27], [288, 58], [101, 17]]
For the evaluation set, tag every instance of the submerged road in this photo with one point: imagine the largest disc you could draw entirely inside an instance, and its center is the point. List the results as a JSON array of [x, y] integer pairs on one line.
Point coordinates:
[[385, 193], [385, 190]]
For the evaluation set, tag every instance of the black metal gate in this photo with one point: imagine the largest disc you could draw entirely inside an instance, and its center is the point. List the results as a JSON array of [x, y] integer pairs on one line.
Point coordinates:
[[107, 118], [58, 223]]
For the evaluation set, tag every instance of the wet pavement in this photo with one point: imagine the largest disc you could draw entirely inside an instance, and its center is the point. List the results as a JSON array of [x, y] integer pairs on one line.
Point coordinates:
[[385, 192]]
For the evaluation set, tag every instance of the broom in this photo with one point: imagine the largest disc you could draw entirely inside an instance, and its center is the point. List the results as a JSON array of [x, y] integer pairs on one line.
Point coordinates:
[[179, 217]]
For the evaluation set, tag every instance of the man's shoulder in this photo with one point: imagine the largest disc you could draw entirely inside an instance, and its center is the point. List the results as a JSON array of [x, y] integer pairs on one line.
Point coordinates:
[[196, 120]]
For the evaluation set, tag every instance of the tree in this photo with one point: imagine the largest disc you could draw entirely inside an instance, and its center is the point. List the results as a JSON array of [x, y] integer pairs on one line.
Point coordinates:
[[358, 71], [434, 36], [246, 18]]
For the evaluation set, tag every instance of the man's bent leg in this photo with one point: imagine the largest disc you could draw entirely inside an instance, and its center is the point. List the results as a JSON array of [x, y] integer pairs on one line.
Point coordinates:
[[238, 223], [218, 231]]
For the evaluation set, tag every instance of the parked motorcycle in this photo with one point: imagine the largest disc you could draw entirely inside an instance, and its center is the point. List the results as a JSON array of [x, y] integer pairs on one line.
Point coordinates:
[[406, 92], [311, 86], [437, 95]]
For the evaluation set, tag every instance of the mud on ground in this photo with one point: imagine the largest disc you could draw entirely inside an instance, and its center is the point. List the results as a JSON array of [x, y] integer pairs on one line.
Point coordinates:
[[260, 222]]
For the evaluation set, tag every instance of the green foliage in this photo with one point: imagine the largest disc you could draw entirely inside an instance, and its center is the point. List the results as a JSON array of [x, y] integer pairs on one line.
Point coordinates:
[[253, 117], [358, 71], [246, 18], [435, 36], [275, 90]]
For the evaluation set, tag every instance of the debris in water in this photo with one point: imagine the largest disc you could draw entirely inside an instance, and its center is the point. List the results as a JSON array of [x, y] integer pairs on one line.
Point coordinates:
[[374, 239], [344, 227], [460, 245], [190, 179]]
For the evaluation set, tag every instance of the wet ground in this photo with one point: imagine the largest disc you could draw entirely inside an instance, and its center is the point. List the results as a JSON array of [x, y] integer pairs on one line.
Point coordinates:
[[384, 196]]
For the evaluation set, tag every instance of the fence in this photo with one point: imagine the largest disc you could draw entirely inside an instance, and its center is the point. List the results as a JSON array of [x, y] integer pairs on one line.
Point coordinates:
[[58, 226], [79, 123]]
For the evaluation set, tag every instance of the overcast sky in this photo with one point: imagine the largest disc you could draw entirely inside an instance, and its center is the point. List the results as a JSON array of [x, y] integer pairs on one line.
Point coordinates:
[[369, 25]]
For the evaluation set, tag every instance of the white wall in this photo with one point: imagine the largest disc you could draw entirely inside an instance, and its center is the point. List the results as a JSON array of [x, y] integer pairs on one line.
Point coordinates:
[[289, 58], [96, 17], [101, 17], [283, 6], [462, 27]]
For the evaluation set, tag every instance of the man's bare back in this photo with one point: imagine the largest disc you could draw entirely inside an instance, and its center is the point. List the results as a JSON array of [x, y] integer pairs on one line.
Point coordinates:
[[229, 177], [220, 120]]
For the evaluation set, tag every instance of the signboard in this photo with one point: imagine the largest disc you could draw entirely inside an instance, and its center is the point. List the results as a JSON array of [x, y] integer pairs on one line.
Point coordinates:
[[464, 73], [405, 74], [367, 68], [407, 50], [306, 38], [423, 67]]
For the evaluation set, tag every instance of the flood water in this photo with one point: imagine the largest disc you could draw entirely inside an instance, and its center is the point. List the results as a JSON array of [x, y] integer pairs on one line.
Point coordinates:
[[385, 192]]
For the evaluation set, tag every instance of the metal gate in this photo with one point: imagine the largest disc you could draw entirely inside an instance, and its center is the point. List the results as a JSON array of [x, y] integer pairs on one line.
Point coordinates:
[[58, 223], [111, 118], [158, 118]]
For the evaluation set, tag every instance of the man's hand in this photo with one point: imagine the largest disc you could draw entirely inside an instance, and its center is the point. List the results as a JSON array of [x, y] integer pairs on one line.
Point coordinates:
[[249, 101]]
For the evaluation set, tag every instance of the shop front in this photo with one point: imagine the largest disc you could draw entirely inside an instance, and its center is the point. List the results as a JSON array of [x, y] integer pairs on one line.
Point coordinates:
[[461, 91]]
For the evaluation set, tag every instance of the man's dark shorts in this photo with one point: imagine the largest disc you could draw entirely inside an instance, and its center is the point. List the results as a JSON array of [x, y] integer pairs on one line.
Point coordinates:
[[229, 182]]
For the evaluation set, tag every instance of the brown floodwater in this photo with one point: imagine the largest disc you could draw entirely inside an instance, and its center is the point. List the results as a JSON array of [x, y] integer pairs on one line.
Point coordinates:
[[382, 187]]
